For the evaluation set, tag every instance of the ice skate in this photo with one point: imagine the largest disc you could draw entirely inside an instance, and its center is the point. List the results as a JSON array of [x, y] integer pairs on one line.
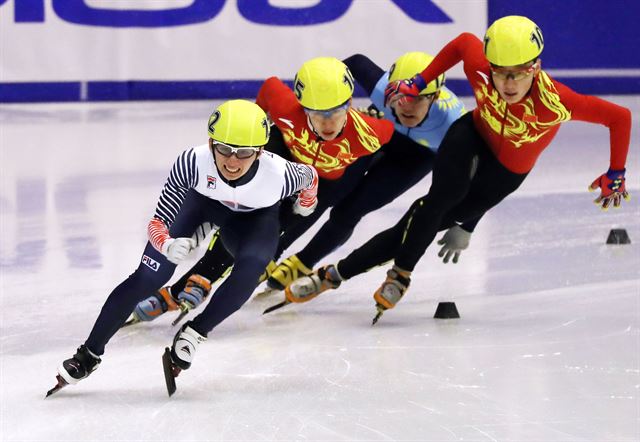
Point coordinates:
[[75, 369], [391, 291], [181, 354], [306, 288], [286, 272]]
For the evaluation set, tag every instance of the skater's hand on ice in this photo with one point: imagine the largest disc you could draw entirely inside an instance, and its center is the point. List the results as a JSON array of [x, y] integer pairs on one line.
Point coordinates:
[[177, 249], [612, 189], [454, 241]]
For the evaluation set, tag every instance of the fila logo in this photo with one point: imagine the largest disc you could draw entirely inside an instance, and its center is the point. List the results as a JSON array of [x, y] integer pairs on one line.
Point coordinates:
[[287, 122], [151, 263], [211, 182]]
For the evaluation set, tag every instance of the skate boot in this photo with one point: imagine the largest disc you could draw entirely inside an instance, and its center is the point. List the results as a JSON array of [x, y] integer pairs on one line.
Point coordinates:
[[75, 369], [391, 291], [80, 366], [194, 293], [184, 346], [287, 271], [268, 271], [153, 307], [308, 287], [180, 356]]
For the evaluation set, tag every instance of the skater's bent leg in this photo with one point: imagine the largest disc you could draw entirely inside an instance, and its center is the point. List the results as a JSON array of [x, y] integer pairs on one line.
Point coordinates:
[[253, 241], [375, 252], [452, 176], [404, 164], [212, 266], [154, 271]]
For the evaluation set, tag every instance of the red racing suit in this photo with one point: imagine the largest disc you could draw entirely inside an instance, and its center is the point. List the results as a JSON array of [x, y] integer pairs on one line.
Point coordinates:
[[361, 136], [518, 133]]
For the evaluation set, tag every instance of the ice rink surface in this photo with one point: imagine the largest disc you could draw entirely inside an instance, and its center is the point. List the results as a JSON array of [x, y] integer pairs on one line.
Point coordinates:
[[547, 347]]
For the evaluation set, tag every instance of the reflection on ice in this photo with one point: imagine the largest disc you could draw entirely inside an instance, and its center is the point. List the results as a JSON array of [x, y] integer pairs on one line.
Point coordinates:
[[547, 346]]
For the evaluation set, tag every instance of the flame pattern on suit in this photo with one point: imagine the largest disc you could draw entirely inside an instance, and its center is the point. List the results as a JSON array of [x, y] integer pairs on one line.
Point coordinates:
[[518, 133], [516, 130]]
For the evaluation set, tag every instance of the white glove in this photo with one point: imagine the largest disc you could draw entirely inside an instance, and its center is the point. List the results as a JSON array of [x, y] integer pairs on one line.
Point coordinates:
[[304, 206], [202, 232], [454, 241], [177, 249]]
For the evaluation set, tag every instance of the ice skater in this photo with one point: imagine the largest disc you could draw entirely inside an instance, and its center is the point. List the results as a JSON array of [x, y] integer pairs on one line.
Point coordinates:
[[313, 124], [485, 155], [229, 182]]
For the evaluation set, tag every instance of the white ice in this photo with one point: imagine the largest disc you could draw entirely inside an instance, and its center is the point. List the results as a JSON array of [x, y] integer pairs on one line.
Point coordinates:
[[547, 347]]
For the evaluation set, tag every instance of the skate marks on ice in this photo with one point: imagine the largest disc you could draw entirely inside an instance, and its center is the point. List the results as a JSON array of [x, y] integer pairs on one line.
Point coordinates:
[[545, 349]]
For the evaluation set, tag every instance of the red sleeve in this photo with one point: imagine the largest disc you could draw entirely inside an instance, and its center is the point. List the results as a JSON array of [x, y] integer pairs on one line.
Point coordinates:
[[596, 110], [158, 233], [383, 128], [273, 90], [466, 47]]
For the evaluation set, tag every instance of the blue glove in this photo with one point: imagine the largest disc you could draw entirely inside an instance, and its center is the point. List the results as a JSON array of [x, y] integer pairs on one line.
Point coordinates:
[[404, 89]]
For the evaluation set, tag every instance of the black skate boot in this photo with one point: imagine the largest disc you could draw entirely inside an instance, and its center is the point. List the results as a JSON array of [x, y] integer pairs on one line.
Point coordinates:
[[80, 366], [75, 369]]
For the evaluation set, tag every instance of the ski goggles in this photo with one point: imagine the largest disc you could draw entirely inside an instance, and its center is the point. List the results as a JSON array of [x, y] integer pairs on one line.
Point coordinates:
[[242, 153], [514, 73], [329, 113]]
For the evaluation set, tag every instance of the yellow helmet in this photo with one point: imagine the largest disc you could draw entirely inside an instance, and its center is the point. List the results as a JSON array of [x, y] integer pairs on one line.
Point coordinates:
[[513, 40], [239, 123], [413, 63], [323, 83]]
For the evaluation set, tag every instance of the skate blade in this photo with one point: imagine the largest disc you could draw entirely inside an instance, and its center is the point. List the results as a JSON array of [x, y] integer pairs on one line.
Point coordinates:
[[131, 321], [377, 317], [265, 293], [277, 306], [59, 386], [182, 314], [170, 371]]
